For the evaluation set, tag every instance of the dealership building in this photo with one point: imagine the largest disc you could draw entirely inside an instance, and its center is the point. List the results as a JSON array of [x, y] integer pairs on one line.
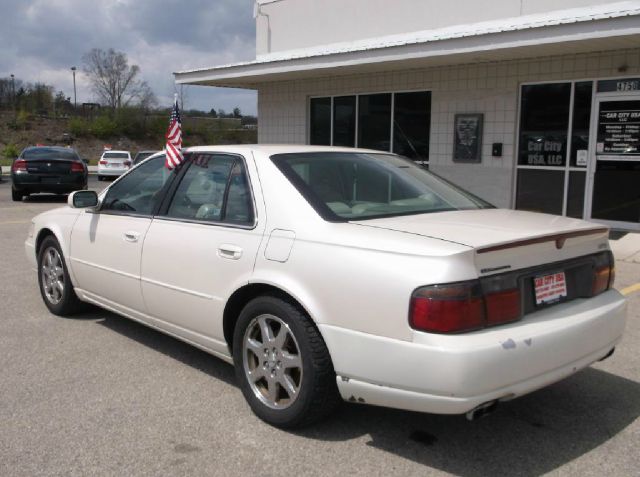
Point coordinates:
[[529, 104]]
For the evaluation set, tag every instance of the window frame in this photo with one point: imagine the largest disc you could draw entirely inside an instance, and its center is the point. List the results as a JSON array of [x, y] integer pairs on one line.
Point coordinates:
[[567, 168], [165, 203], [161, 194], [357, 111]]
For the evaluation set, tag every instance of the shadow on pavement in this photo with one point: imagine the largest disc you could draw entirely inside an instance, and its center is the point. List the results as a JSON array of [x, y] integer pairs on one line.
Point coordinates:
[[529, 436], [45, 198]]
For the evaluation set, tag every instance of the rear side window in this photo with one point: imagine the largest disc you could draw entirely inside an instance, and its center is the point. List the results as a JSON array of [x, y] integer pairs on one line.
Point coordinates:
[[138, 191], [215, 188]]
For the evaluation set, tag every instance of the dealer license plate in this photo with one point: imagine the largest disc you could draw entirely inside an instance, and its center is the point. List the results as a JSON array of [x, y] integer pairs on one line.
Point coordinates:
[[49, 180], [550, 288]]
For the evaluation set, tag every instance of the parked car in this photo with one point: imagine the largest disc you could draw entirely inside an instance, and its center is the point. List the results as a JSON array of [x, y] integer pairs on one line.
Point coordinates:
[[325, 273], [142, 155], [113, 164], [47, 169]]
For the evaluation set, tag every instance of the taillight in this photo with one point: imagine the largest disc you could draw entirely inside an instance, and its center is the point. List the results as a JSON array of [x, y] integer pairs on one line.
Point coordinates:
[[19, 165], [503, 306], [465, 306], [604, 274], [77, 167], [127, 163], [104, 163], [450, 308]]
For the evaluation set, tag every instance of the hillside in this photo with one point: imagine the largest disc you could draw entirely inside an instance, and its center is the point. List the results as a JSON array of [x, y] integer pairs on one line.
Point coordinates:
[[59, 131]]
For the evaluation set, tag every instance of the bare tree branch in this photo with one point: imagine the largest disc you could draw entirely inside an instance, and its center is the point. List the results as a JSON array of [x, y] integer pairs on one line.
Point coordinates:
[[114, 81]]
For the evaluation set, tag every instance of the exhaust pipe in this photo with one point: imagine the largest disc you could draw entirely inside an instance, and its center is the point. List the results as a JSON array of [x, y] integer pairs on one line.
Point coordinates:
[[482, 410], [608, 355]]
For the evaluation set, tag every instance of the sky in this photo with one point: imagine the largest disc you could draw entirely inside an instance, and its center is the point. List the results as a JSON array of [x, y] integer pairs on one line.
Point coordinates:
[[43, 39]]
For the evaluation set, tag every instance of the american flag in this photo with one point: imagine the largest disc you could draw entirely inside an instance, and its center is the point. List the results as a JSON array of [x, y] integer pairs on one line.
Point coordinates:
[[174, 138]]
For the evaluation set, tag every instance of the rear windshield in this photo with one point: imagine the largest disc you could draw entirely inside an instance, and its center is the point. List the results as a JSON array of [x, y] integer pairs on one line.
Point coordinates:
[[115, 155], [50, 154], [143, 155], [353, 186]]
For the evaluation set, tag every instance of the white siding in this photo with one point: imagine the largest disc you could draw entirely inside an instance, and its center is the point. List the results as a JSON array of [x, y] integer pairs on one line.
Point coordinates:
[[489, 88], [292, 24]]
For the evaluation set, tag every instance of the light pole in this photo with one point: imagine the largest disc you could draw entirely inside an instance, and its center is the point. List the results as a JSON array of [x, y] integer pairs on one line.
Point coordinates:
[[75, 102], [13, 93]]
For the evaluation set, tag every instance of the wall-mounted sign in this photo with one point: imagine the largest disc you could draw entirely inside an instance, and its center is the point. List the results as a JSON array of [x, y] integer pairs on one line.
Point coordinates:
[[619, 131], [467, 138], [619, 85]]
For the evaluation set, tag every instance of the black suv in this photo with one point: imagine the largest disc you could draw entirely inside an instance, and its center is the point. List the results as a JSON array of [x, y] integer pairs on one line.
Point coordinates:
[[47, 169]]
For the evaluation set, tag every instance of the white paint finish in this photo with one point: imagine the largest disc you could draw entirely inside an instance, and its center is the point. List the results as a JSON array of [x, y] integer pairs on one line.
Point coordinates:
[[355, 281], [104, 262], [279, 245], [545, 347], [490, 88], [184, 279], [295, 24]]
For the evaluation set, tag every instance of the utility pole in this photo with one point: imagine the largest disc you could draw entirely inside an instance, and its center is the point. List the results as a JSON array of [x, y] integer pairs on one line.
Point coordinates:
[[13, 94], [75, 99]]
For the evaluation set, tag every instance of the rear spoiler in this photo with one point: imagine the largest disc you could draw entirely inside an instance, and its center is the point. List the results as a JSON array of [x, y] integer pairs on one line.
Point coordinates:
[[559, 239]]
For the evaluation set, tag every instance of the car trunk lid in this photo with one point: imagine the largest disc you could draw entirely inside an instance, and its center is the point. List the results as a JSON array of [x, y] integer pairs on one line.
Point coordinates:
[[49, 166], [503, 239]]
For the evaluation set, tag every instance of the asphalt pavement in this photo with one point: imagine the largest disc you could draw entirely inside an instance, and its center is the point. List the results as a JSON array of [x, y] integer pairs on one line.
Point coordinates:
[[101, 395]]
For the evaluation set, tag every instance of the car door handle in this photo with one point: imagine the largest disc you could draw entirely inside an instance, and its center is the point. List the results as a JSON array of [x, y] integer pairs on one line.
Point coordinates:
[[231, 252], [131, 236]]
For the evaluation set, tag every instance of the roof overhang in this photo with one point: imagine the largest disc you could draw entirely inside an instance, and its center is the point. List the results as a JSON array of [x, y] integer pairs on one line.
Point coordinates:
[[521, 37]]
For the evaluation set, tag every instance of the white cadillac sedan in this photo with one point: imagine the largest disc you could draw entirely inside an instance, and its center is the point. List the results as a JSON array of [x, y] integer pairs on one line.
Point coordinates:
[[325, 273]]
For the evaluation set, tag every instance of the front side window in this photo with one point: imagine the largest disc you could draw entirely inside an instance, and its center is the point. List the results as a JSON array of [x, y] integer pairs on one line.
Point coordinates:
[[346, 186], [215, 188], [138, 191]]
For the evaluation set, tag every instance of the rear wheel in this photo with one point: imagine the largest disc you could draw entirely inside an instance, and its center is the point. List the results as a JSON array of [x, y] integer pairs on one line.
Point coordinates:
[[100, 178], [16, 195], [53, 278], [282, 364]]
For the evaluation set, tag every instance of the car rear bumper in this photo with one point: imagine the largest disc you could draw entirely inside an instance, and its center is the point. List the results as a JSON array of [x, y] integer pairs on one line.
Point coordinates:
[[112, 172], [453, 374], [49, 183]]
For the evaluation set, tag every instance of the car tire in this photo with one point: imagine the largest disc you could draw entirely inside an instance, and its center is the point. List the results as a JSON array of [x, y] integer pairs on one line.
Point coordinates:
[[16, 195], [284, 395], [54, 282], [100, 178]]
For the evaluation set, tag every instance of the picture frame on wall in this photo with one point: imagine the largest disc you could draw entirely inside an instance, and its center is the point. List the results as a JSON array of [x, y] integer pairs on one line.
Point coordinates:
[[467, 137]]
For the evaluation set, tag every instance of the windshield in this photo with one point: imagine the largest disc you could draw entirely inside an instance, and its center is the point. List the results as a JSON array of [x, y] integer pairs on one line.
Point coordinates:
[[49, 154], [115, 155], [142, 155], [348, 186]]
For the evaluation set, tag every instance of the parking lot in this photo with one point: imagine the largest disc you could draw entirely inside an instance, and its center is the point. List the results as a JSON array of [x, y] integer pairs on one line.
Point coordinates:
[[99, 394]]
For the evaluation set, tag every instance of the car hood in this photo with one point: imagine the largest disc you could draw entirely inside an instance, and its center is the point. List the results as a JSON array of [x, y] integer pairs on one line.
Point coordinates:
[[482, 227]]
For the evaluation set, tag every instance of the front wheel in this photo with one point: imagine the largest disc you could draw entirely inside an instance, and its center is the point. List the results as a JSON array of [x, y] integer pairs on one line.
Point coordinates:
[[282, 364], [53, 278]]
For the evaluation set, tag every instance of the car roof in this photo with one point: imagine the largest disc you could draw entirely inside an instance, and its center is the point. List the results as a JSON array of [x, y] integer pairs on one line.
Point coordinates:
[[271, 149], [112, 150]]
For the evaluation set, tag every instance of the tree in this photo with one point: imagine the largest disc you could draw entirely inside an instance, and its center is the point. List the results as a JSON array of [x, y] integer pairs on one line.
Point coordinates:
[[236, 112], [114, 81], [213, 113]]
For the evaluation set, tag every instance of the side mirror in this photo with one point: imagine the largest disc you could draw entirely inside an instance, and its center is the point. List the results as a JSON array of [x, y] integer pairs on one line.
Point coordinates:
[[85, 160], [83, 199]]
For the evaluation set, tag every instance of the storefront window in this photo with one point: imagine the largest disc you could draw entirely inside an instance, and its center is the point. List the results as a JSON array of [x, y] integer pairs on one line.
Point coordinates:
[[320, 121], [540, 190], [396, 122], [581, 122], [344, 121], [374, 121], [411, 125], [544, 122]]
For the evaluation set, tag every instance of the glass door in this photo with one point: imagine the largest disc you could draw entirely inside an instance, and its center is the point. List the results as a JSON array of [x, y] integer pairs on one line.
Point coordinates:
[[614, 178]]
